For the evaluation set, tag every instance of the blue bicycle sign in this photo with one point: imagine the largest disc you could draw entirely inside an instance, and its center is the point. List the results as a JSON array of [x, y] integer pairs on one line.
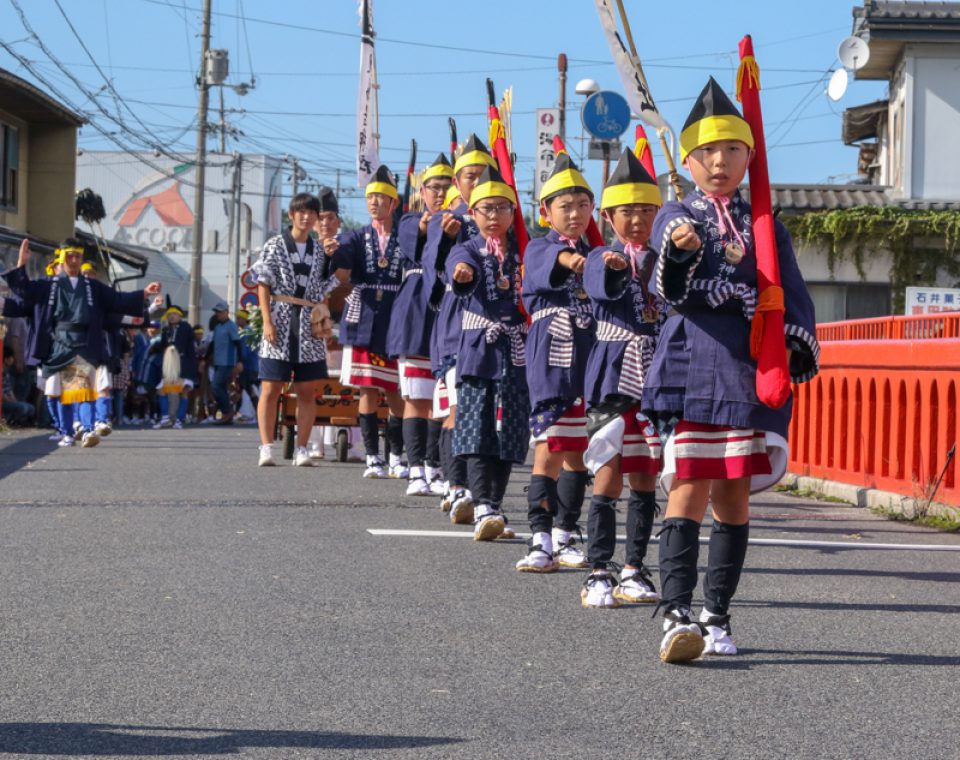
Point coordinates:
[[605, 115]]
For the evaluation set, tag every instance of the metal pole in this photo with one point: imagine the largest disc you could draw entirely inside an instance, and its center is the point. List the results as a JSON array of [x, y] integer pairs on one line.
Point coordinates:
[[562, 68], [606, 176], [233, 261], [196, 260], [296, 183], [223, 125]]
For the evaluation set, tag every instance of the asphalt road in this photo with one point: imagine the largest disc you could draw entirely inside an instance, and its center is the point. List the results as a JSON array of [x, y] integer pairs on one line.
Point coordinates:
[[160, 596]]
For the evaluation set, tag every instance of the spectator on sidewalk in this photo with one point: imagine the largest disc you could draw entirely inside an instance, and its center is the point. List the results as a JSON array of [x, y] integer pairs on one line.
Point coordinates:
[[13, 411], [225, 353]]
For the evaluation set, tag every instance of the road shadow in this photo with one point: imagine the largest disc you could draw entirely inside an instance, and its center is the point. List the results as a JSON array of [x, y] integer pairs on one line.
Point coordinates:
[[18, 453], [748, 658], [107, 740]]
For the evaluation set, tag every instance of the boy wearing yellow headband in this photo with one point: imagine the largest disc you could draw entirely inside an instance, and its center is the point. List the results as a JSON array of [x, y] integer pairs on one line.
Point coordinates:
[[373, 259], [444, 231], [493, 403], [618, 279], [408, 339], [725, 443], [180, 370], [561, 333]]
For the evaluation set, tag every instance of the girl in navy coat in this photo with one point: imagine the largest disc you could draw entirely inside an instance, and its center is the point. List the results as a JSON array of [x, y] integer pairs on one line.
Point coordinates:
[[493, 403], [561, 334], [618, 279], [725, 442]]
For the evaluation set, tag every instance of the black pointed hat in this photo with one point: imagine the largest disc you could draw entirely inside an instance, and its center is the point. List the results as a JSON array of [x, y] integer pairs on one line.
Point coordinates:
[[629, 183], [713, 117]]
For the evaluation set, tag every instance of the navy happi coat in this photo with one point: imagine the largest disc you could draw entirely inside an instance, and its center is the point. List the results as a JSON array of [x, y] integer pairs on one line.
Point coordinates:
[[412, 323]]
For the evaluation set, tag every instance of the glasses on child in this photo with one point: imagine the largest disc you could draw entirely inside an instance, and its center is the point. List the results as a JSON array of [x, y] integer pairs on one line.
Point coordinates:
[[491, 212], [437, 188]]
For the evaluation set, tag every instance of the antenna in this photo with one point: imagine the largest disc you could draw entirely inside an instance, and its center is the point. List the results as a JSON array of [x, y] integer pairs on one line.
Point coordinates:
[[838, 84], [853, 53]]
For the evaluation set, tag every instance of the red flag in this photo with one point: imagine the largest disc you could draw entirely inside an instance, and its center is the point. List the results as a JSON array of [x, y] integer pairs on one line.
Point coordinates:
[[767, 343], [499, 150], [594, 236], [642, 150]]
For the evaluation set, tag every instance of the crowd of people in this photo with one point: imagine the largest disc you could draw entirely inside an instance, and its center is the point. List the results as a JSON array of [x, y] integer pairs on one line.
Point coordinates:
[[630, 360]]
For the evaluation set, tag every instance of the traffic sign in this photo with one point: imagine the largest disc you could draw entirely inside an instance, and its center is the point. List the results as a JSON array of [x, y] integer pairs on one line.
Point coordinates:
[[605, 115], [249, 280], [249, 300]]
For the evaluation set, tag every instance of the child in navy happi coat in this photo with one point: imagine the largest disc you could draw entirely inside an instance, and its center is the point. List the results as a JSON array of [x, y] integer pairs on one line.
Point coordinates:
[[491, 429], [725, 442], [618, 279], [561, 334]]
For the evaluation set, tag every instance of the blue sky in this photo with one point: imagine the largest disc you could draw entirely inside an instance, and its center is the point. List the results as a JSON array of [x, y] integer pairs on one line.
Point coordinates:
[[433, 59]]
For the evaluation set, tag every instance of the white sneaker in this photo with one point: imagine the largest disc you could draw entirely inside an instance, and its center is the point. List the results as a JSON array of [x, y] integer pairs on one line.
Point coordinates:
[[55, 437], [488, 523], [540, 558], [103, 429], [636, 587], [418, 487], [597, 590], [177, 425], [89, 440], [719, 638], [66, 440], [163, 423], [398, 468], [447, 501], [302, 458], [682, 640], [315, 450], [461, 507], [434, 478], [375, 468], [567, 552], [266, 456]]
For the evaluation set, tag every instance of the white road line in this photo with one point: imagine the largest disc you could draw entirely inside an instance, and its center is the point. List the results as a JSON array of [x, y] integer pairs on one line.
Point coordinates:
[[796, 543]]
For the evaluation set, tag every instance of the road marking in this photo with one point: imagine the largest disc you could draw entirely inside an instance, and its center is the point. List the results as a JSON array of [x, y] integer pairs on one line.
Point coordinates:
[[796, 543]]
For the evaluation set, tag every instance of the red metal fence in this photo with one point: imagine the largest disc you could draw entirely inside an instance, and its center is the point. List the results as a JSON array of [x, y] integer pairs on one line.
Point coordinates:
[[883, 411]]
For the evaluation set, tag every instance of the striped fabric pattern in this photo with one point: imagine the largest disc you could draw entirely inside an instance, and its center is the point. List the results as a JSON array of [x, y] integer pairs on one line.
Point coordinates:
[[355, 303], [561, 335], [636, 359], [719, 452], [641, 444], [721, 291], [666, 244], [795, 331], [362, 368], [515, 333], [567, 431]]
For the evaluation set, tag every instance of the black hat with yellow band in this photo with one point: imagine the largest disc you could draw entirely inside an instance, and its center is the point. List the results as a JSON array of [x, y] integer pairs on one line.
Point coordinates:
[[714, 117], [383, 182], [474, 153], [630, 183], [491, 185], [439, 168], [565, 178]]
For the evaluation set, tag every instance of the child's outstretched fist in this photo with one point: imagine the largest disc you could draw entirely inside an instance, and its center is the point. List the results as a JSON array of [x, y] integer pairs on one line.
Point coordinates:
[[572, 261], [463, 273], [613, 260], [685, 238]]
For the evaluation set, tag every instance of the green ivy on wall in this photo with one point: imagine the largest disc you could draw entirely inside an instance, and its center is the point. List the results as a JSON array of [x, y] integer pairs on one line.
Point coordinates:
[[851, 234]]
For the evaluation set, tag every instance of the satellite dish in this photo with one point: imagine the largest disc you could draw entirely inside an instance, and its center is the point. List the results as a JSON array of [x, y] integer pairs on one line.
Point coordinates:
[[838, 84], [853, 53]]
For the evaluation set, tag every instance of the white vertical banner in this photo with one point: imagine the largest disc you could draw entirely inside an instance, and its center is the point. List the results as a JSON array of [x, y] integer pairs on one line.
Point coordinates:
[[367, 154], [548, 127]]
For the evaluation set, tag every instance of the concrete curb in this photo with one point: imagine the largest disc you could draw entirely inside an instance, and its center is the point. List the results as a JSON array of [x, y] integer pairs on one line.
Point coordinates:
[[870, 498]]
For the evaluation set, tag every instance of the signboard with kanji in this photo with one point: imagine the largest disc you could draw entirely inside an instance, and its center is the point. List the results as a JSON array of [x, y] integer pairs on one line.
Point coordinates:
[[920, 300], [548, 126]]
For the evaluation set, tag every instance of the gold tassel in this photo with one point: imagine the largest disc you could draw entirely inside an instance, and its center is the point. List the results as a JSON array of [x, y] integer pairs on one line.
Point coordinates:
[[748, 67]]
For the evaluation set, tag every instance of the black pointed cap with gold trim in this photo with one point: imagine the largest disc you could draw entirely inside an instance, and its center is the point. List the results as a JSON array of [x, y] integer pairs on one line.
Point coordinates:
[[383, 182], [713, 117], [630, 183], [474, 153], [565, 178], [491, 185], [439, 168]]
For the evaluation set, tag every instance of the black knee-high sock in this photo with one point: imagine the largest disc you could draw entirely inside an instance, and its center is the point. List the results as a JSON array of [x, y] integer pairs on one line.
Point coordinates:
[[571, 490], [370, 431], [415, 440], [501, 477], [395, 434], [679, 549], [444, 451], [458, 469], [479, 478], [641, 511], [541, 503], [728, 549], [602, 530], [432, 455]]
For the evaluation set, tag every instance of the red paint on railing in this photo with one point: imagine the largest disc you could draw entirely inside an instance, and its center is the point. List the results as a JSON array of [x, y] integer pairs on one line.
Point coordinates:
[[926, 327]]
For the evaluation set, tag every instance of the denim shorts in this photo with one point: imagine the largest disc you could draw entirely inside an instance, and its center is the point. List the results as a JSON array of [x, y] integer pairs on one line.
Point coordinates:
[[303, 372]]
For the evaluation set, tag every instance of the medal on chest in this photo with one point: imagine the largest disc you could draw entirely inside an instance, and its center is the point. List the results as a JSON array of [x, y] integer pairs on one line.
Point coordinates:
[[733, 253], [503, 282], [383, 262]]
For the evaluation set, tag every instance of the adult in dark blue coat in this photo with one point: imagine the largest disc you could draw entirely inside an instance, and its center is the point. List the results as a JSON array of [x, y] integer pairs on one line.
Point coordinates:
[[179, 368]]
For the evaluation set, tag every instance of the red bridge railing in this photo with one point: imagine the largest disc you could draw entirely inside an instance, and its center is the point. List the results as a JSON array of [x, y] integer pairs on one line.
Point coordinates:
[[883, 411]]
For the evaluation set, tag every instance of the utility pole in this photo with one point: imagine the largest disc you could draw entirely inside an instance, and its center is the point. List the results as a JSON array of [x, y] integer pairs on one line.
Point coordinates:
[[196, 260], [296, 171], [562, 69], [338, 183], [233, 262], [223, 126]]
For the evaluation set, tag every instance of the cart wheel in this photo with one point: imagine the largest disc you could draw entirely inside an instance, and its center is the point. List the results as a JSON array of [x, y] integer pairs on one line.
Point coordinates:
[[343, 446], [289, 440]]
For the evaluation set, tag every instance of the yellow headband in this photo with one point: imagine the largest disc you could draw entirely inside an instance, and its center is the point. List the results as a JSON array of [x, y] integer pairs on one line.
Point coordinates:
[[384, 188], [492, 190], [87, 267], [173, 310], [630, 192], [437, 170], [570, 180], [452, 194], [713, 128], [61, 253], [474, 158]]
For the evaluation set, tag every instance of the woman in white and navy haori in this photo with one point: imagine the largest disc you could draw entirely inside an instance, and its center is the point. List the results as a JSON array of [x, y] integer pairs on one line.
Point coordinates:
[[619, 281], [454, 225], [408, 339], [372, 257], [493, 404], [561, 334], [294, 277]]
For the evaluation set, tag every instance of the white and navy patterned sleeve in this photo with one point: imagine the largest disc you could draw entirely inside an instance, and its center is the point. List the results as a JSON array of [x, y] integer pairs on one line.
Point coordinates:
[[800, 324], [675, 267], [266, 266]]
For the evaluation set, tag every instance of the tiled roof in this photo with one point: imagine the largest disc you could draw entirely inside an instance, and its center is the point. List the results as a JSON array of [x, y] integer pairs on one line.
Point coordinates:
[[794, 199], [902, 10]]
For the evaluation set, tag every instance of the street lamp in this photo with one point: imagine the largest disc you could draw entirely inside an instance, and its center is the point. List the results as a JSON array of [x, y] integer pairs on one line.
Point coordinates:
[[587, 87]]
